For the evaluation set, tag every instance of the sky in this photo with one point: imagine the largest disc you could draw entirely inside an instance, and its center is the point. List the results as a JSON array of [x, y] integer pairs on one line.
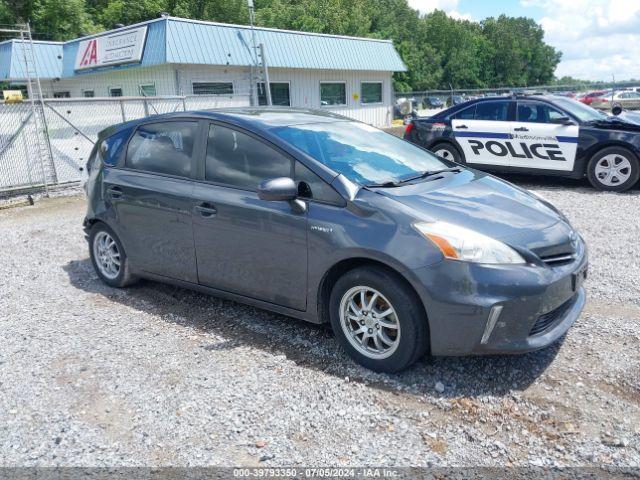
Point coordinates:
[[597, 38]]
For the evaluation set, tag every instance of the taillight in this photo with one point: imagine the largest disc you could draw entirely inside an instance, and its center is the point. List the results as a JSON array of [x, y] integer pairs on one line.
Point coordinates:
[[410, 127]]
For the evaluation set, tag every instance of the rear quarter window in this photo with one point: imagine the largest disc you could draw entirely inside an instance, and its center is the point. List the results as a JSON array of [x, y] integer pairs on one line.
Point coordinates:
[[111, 148]]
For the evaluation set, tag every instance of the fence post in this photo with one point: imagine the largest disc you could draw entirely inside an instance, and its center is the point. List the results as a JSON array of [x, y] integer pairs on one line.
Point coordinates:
[[124, 117], [184, 104], [146, 107]]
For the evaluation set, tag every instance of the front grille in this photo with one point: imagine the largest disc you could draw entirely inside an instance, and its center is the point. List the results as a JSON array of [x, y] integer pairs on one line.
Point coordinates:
[[549, 318], [558, 259]]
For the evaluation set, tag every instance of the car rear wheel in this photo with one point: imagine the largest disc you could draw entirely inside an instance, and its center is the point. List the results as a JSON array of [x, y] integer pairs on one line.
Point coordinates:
[[378, 319], [448, 152], [613, 169], [108, 256]]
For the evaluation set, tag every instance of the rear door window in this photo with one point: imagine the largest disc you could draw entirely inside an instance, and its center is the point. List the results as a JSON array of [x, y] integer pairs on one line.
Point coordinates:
[[492, 111], [240, 160], [533, 112], [466, 114], [164, 148]]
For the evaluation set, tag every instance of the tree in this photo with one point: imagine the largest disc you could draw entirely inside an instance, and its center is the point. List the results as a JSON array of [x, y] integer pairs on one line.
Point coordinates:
[[62, 19], [522, 58], [438, 50], [342, 17]]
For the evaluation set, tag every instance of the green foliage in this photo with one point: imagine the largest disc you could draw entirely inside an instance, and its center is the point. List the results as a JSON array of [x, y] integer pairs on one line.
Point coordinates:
[[61, 19], [439, 51]]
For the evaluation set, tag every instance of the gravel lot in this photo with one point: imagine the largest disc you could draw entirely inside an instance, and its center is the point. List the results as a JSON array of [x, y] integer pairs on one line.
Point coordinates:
[[157, 375]]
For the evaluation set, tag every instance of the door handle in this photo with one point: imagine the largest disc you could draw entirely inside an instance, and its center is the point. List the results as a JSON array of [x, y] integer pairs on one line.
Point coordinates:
[[462, 126], [206, 210], [521, 129], [114, 192]]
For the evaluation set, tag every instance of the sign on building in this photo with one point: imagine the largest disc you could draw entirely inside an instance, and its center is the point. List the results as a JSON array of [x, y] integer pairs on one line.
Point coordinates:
[[112, 49]]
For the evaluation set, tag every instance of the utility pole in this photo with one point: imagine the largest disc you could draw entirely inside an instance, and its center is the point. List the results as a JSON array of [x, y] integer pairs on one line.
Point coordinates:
[[265, 72], [254, 57]]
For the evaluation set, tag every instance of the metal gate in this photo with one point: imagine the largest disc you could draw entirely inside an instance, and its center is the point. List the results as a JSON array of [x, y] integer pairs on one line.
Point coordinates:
[[48, 143]]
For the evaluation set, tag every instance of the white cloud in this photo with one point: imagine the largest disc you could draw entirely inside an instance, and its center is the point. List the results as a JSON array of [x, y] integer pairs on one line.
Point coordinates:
[[449, 6], [598, 38]]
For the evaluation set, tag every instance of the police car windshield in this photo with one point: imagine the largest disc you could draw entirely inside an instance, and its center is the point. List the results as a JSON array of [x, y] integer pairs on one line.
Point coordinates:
[[363, 154], [582, 112]]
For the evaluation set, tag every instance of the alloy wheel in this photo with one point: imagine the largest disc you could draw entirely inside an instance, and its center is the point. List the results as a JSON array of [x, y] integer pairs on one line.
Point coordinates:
[[107, 255], [369, 322]]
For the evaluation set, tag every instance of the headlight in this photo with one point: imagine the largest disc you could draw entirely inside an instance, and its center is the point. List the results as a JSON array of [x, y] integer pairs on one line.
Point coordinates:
[[459, 243]]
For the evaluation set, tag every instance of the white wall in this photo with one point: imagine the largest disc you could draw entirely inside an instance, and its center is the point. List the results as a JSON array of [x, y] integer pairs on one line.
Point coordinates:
[[178, 80]]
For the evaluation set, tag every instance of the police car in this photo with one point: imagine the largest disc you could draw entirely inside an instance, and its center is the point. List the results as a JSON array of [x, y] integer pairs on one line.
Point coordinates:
[[547, 135]]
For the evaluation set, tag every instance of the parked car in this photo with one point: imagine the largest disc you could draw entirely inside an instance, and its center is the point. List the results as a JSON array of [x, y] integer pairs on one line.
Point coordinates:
[[540, 135], [456, 100], [315, 216], [432, 102], [588, 97], [622, 99]]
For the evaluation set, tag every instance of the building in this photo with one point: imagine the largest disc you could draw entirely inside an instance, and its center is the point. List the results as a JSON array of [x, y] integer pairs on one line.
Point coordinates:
[[174, 56]]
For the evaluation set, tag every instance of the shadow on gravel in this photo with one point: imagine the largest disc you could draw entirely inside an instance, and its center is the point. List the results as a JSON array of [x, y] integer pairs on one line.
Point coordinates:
[[312, 346]]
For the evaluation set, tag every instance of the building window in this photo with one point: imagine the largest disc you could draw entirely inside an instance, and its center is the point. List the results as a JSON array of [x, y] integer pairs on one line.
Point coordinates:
[[212, 88], [61, 95], [88, 93], [371, 92], [333, 93], [115, 91], [147, 90], [279, 94]]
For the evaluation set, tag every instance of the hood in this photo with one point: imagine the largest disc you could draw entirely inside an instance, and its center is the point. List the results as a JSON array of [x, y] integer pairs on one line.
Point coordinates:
[[625, 121], [477, 201]]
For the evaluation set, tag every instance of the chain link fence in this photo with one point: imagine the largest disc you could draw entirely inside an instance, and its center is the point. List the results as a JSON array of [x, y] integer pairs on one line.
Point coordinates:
[[36, 155]]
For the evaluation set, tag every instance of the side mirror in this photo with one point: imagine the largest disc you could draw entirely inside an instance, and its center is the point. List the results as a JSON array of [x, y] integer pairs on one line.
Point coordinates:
[[562, 121], [278, 189], [616, 110]]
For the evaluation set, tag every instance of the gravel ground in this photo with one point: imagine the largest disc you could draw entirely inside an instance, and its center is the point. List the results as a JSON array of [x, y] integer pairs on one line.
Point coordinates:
[[156, 375]]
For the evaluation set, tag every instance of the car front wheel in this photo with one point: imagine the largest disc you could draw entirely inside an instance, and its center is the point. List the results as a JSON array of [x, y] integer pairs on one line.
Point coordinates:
[[613, 169], [378, 319]]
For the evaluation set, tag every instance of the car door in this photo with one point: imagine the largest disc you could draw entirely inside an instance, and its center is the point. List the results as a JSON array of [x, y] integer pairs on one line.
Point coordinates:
[[538, 142], [481, 131], [246, 245], [152, 196]]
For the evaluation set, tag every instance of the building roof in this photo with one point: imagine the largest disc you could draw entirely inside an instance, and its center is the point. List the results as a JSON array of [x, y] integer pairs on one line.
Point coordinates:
[[47, 55], [183, 41], [190, 41]]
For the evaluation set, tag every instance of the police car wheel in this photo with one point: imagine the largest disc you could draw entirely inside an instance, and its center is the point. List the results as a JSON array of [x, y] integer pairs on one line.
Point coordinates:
[[613, 169], [448, 152]]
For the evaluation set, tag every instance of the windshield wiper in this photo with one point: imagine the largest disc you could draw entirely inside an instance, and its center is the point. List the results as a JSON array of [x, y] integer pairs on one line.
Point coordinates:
[[420, 176]]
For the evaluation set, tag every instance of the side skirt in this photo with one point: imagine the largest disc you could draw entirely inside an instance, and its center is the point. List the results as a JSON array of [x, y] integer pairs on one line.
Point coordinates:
[[306, 316]]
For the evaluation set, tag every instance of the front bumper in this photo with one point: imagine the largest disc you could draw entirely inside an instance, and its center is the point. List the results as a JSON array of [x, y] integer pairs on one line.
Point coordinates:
[[538, 305]]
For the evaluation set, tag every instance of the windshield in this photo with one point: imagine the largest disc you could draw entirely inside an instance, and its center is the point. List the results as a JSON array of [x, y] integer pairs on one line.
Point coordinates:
[[363, 154], [582, 112]]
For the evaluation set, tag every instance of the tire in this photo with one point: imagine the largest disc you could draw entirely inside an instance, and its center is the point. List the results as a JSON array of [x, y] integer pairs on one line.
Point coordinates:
[[402, 346], [613, 169], [106, 249], [448, 152]]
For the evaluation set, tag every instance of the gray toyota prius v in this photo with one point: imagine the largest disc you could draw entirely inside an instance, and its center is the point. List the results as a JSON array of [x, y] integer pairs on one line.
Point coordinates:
[[319, 217]]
